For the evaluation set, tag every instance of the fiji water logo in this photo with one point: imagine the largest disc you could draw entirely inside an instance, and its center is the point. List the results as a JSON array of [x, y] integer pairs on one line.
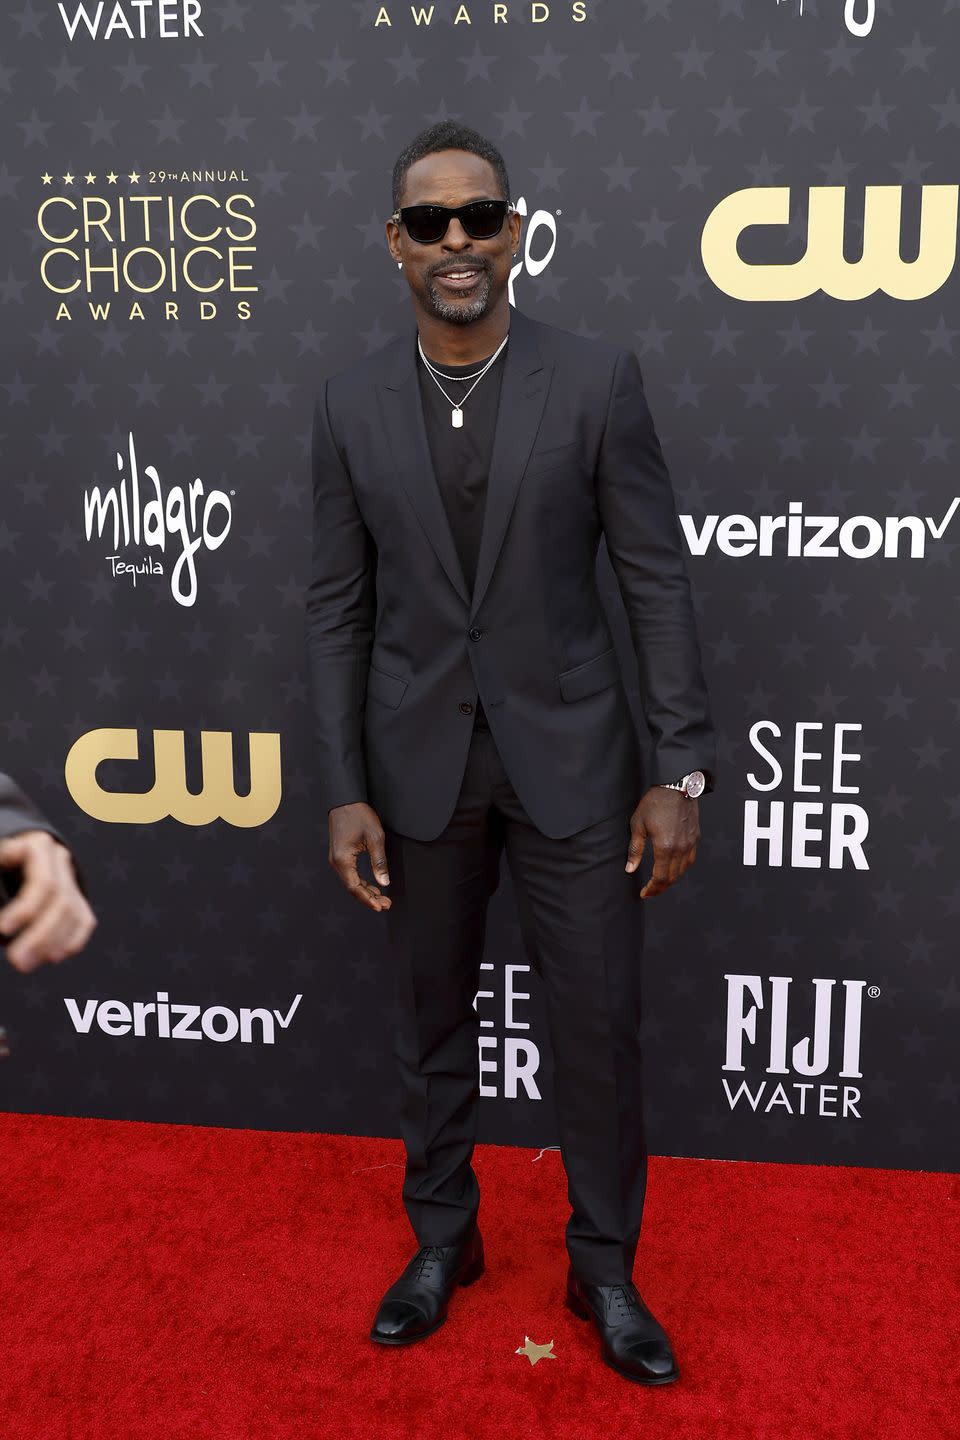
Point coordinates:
[[178, 522], [804, 1039], [134, 20]]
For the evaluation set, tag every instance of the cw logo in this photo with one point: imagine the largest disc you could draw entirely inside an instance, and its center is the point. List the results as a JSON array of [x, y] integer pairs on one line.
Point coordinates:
[[169, 794], [823, 266]]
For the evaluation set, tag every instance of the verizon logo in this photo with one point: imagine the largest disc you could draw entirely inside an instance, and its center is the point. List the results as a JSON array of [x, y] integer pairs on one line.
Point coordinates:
[[163, 1020], [826, 536]]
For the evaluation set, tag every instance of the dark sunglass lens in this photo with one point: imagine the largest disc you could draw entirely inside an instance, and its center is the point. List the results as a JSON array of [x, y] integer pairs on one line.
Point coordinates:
[[483, 219], [425, 223], [428, 223]]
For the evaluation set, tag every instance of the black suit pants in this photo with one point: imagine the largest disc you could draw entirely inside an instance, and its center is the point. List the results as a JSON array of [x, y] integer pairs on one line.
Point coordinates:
[[582, 918]]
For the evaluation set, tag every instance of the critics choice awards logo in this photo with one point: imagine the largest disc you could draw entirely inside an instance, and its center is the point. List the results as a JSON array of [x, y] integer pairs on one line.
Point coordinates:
[[537, 12], [170, 243]]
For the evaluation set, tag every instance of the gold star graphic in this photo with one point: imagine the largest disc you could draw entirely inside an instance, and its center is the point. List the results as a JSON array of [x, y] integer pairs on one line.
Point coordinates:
[[89, 177], [535, 1352], [47, 178], [68, 179], [112, 176], [133, 177]]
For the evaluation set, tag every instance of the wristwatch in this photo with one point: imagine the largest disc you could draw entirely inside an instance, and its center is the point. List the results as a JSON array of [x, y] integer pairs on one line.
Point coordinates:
[[690, 785]]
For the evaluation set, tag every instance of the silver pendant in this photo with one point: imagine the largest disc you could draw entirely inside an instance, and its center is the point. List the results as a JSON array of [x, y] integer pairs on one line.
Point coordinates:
[[456, 417]]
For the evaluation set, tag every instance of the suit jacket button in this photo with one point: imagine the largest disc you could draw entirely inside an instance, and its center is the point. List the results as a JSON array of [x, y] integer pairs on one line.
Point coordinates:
[[475, 633], [465, 707]]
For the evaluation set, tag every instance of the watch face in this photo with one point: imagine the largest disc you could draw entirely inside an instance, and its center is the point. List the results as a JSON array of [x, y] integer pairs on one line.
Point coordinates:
[[696, 781]]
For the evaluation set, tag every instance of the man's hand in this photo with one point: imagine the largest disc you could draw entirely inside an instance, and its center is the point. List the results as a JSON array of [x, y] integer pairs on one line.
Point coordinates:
[[672, 821], [49, 911], [354, 828]]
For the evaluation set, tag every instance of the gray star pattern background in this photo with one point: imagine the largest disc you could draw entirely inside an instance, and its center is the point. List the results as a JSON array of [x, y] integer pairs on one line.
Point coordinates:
[[628, 129]]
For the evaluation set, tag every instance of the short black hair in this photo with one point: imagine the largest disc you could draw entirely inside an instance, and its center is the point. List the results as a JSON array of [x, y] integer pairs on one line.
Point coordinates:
[[448, 135]]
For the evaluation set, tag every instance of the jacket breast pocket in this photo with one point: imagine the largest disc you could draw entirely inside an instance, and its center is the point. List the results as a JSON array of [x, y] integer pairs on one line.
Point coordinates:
[[547, 458], [386, 688], [592, 675]]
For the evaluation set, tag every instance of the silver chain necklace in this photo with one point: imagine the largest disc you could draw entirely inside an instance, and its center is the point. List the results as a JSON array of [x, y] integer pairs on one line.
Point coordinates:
[[456, 413]]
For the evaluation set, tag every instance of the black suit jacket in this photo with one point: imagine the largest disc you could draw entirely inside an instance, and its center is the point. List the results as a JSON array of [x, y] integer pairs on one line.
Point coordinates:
[[398, 650], [18, 812]]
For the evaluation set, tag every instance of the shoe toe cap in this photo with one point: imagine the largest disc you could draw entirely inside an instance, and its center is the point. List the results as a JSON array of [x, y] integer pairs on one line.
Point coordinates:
[[651, 1357], [399, 1317]]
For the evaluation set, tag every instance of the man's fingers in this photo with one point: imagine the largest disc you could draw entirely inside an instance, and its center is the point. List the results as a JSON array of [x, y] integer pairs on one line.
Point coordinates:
[[638, 840], [356, 828], [660, 878], [688, 860], [62, 929], [666, 862], [366, 893], [378, 855], [49, 918], [346, 867], [13, 848], [23, 959], [344, 861], [361, 889], [36, 891], [669, 863]]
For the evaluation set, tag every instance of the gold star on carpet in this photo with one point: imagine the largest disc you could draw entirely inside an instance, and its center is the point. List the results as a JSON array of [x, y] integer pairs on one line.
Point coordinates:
[[68, 179], [535, 1352], [46, 177], [133, 177]]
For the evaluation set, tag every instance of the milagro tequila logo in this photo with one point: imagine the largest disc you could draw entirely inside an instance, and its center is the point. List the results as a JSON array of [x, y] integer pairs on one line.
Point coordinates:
[[132, 517], [539, 235], [858, 15]]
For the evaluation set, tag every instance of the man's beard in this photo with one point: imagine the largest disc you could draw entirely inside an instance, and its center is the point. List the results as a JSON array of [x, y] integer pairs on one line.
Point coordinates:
[[460, 314]]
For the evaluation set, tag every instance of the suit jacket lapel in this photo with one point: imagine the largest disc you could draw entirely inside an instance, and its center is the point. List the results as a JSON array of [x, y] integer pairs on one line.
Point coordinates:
[[409, 452], [523, 394]]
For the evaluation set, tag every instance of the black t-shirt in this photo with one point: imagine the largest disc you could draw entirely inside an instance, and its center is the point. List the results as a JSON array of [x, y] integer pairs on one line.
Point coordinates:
[[461, 457]]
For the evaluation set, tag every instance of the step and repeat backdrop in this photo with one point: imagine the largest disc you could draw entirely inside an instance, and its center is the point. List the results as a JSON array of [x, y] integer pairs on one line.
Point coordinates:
[[762, 200]]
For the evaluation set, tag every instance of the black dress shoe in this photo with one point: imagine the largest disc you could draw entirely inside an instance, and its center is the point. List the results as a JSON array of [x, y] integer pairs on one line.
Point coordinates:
[[634, 1343], [416, 1303]]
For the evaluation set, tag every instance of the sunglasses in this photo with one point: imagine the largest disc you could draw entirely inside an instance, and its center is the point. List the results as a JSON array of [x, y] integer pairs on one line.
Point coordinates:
[[481, 219]]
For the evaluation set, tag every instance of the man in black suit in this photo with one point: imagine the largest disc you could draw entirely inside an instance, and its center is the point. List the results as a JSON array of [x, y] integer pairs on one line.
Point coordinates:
[[468, 700]]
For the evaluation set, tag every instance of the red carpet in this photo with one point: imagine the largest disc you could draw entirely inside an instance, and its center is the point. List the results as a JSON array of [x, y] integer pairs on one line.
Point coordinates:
[[165, 1280]]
